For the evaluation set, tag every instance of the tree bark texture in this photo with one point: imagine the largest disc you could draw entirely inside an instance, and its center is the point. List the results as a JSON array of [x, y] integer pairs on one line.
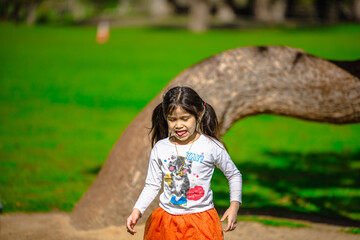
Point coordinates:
[[238, 83]]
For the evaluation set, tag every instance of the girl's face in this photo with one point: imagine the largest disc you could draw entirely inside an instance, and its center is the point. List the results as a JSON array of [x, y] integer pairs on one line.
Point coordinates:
[[182, 125]]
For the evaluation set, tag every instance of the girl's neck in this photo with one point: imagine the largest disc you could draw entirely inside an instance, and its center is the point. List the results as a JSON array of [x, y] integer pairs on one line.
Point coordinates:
[[190, 140]]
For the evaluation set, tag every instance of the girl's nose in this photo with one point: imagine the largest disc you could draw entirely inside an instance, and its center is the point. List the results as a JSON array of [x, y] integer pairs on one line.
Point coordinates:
[[177, 124]]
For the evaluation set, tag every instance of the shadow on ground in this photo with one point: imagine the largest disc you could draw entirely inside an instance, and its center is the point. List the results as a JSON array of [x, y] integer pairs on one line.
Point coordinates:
[[319, 187]]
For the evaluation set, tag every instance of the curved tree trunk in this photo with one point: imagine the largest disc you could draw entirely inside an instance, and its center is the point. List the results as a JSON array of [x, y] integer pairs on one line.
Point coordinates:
[[238, 83]]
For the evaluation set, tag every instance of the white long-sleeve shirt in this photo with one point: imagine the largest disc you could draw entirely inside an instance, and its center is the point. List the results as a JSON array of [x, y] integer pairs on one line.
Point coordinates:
[[186, 177]]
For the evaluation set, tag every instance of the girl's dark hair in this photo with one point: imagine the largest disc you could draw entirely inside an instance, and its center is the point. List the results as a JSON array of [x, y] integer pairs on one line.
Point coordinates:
[[190, 101]]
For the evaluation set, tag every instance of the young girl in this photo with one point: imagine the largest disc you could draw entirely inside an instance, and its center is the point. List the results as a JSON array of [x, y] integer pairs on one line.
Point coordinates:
[[186, 148]]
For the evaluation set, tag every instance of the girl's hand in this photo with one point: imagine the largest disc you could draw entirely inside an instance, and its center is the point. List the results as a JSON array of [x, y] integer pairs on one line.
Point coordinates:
[[231, 215], [132, 220]]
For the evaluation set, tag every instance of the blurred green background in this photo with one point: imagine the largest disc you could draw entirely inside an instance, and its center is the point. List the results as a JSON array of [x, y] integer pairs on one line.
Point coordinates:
[[65, 100]]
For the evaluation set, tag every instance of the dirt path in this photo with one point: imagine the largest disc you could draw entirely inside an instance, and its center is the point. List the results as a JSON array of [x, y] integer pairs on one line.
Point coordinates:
[[56, 226]]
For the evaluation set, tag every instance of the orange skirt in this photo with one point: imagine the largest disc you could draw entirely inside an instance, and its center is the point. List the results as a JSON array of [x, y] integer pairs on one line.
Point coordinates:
[[195, 226]]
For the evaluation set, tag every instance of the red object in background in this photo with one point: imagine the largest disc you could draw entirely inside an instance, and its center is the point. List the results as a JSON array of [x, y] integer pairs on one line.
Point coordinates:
[[103, 32], [195, 193]]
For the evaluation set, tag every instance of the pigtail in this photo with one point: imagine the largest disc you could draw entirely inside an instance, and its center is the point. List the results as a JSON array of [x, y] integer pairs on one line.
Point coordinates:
[[209, 124], [159, 128]]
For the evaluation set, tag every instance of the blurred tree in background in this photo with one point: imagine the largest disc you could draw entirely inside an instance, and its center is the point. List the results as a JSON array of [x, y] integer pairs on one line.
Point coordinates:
[[200, 14]]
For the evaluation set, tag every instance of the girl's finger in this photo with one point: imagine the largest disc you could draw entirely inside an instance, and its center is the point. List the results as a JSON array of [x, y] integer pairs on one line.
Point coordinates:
[[131, 230], [130, 226], [231, 227], [227, 227]]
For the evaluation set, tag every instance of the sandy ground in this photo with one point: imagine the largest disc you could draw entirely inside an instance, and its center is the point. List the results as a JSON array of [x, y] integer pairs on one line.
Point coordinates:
[[54, 226]]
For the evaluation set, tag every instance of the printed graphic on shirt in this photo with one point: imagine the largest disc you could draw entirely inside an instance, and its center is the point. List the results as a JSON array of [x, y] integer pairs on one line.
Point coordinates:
[[195, 193], [168, 178], [195, 157], [179, 182], [178, 179]]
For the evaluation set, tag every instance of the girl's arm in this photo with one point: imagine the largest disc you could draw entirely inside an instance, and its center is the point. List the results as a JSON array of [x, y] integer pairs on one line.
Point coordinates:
[[149, 192], [231, 215], [234, 177]]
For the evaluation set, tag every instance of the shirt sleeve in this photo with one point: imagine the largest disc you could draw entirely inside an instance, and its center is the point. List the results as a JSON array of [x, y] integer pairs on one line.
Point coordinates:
[[233, 175], [152, 183]]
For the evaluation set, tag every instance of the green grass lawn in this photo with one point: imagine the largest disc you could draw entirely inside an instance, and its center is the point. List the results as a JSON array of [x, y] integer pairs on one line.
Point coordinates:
[[65, 100], [274, 222]]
